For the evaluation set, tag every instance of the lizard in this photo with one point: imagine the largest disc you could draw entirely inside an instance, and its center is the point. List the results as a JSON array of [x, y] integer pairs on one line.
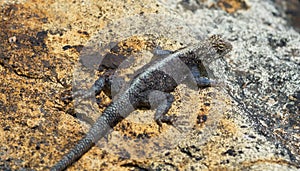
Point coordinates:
[[151, 88]]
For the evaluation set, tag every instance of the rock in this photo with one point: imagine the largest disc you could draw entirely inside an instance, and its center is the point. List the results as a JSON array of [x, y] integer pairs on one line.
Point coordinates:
[[255, 128]]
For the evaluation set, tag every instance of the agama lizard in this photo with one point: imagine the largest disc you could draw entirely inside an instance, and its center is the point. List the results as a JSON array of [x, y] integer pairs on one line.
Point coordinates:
[[151, 88]]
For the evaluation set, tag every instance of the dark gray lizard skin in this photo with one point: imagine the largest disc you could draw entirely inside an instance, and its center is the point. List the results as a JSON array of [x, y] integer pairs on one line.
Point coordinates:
[[156, 80]]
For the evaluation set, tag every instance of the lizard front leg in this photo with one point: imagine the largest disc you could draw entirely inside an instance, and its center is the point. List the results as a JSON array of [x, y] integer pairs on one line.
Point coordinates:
[[201, 81], [162, 102]]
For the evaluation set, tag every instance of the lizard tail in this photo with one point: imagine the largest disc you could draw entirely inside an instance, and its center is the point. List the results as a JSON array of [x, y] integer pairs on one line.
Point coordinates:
[[104, 123], [75, 153]]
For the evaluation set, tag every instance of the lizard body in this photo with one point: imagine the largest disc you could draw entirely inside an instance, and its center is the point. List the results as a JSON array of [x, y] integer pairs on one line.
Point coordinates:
[[150, 88]]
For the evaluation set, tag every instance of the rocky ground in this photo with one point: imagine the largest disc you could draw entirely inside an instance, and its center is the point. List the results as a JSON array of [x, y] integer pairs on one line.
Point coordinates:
[[251, 123]]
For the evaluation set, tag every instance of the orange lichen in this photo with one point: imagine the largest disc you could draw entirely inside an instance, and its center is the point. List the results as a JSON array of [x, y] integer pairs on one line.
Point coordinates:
[[232, 6]]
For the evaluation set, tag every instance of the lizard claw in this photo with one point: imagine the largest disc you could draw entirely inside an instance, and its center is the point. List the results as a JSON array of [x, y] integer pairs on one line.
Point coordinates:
[[168, 119]]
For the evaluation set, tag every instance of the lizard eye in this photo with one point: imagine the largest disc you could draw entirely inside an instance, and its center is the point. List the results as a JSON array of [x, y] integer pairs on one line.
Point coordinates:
[[219, 44]]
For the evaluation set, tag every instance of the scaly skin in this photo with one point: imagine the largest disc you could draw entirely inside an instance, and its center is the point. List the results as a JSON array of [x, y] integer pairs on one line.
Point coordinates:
[[151, 87]]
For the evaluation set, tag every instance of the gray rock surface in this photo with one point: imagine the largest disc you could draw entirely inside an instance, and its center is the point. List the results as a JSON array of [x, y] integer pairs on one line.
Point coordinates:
[[263, 71]]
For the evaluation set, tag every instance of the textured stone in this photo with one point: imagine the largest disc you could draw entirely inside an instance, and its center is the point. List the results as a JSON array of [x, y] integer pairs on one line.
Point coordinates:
[[257, 129]]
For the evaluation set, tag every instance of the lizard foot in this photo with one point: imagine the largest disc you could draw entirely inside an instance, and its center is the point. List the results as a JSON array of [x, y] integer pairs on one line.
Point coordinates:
[[168, 119]]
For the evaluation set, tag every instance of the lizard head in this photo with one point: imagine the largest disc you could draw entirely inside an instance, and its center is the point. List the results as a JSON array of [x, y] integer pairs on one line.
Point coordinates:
[[213, 48], [221, 46]]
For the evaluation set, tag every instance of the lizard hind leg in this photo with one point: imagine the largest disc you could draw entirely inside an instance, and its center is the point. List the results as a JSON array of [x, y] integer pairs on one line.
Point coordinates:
[[162, 102], [93, 91]]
